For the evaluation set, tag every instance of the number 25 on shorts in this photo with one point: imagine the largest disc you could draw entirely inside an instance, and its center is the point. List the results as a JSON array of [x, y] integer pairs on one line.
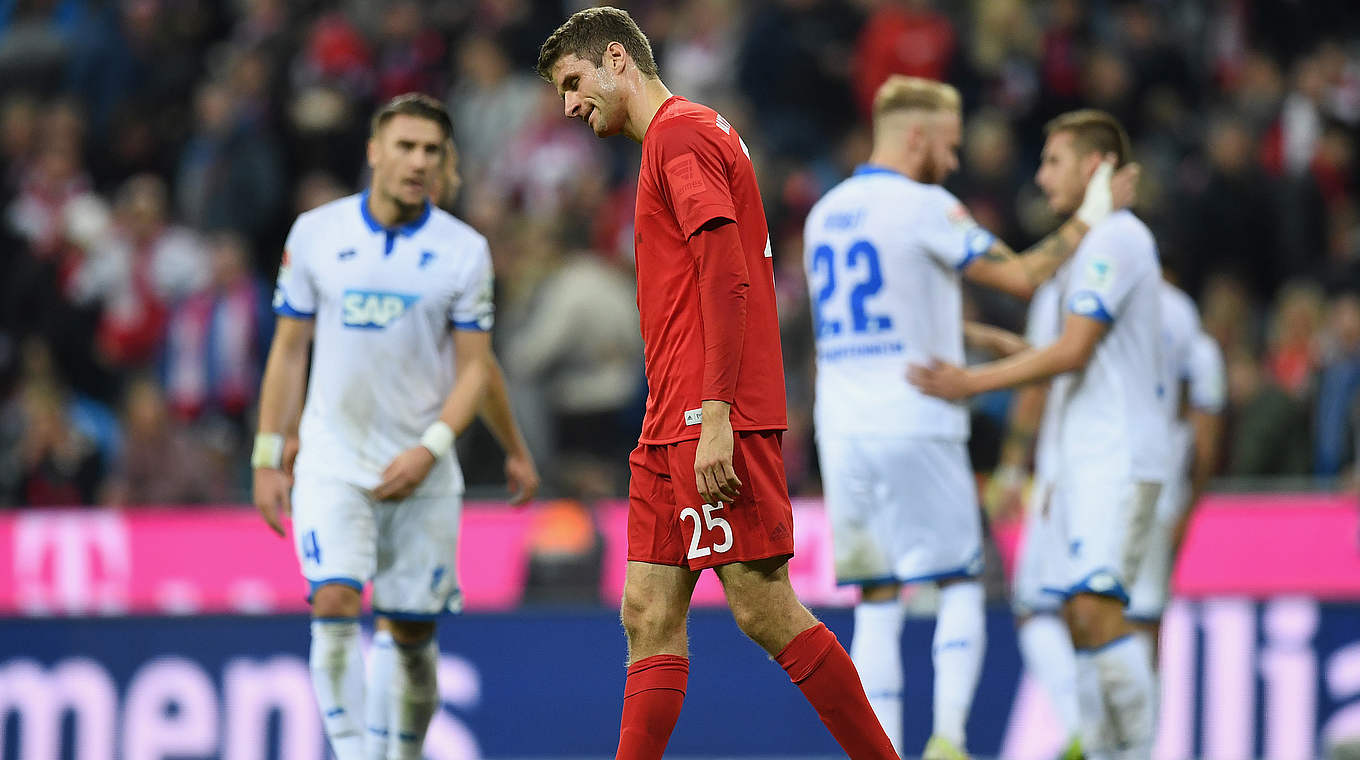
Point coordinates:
[[709, 523]]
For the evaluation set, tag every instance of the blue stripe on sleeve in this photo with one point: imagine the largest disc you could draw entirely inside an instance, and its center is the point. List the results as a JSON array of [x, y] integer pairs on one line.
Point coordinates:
[[976, 242], [473, 325], [1087, 303], [285, 309]]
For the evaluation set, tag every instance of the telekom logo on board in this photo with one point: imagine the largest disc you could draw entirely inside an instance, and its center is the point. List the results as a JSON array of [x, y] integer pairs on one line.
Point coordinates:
[[71, 563]]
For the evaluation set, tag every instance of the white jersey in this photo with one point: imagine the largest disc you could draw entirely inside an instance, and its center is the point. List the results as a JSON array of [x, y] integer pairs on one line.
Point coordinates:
[[1180, 326], [1112, 419], [384, 303], [883, 255], [1043, 325]]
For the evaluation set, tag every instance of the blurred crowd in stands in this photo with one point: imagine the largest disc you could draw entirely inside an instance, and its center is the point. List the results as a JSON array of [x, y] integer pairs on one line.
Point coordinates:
[[154, 152]]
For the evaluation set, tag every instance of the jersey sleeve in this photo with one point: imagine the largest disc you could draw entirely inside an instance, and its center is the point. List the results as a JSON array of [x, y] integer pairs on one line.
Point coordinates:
[[472, 308], [694, 176], [1103, 277], [949, 233], [1208, 383], [295, 289]]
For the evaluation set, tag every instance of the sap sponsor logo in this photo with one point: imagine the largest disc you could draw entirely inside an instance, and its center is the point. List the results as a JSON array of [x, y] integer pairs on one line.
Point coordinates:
[[174, 707], [373, 310]]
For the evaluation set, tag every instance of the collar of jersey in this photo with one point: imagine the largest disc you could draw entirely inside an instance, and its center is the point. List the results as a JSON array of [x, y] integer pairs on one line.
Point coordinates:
[[872, 169], [408, 229]]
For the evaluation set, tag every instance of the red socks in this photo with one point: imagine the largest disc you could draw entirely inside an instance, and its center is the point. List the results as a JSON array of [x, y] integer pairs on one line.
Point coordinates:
[[652, 698], [819, 665]]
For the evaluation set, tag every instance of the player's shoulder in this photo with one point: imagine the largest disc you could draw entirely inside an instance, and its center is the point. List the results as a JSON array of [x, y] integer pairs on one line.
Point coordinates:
[[327, 213], [1123, 236], [1177, 304], [445, 226], [686, 122], [322, 223]]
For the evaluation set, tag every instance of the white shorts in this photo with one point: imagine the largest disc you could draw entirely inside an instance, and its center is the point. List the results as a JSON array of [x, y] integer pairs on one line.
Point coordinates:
[[1104, 524], [409, 549], [1040, 563], [902, 510], [1152, 584]]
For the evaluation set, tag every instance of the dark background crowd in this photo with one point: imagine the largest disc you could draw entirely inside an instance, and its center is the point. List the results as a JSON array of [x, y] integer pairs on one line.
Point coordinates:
[[154, 152]]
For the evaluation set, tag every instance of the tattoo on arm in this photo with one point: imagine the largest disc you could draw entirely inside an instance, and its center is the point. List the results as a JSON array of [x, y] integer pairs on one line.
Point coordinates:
[[1043, 258]]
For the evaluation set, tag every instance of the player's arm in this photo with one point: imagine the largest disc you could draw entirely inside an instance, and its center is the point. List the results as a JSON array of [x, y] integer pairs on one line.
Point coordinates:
[[1003, 495], [723, 283], [520, 473], [1071, 351], [472, 352], [993, 340], [1019, 274], [1205, 414], [281, 396]]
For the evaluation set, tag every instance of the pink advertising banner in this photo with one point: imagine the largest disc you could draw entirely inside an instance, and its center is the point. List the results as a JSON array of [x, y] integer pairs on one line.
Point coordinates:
[[224, 560]]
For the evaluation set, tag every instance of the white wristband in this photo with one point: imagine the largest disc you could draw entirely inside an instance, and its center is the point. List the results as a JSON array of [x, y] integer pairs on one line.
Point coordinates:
[[438, 438], [268, 451]]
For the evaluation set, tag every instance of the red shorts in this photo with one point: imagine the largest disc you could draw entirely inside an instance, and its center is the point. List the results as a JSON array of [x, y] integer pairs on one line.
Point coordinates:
[[668, 523]]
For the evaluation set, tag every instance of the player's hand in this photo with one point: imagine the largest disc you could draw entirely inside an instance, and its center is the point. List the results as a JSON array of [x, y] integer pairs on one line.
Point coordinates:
[[1099, 200], [1124, 186], [522, 478], [940, 379], [714, 475], [404, 474], [271, 492]]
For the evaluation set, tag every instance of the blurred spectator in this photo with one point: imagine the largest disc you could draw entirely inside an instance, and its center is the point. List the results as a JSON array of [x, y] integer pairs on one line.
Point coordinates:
[[51, 181], [539, 168], [145, 267], [163, 462], [229, 176], [410, 53], [489, 104], [1292, 338], [901, 37], [581, 350], [566, 552], [217, 338], [700, 56], [1267, 427], [1338, 387]]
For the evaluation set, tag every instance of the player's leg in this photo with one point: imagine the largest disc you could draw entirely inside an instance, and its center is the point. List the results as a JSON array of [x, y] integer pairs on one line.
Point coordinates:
[[656, 594], [335, 540], [415, 582], [957, 651], [876, 649], [749, 543], [863, 555], [1152, 583], [766, 610], [1045, 642], [1109, 654]]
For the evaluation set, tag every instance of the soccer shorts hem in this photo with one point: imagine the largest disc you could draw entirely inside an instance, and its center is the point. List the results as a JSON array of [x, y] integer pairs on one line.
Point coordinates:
[[668, 523], [900, 507]]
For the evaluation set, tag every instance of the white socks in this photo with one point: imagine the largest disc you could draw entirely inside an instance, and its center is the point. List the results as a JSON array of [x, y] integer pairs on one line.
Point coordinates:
[[960, 640], [876, 649], [1117, 688], [414, 698], [382, 668], [1046, 647], [338, 679]]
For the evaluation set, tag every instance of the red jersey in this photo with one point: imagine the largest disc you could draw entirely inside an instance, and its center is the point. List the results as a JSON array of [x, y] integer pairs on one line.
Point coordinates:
[[695, 169]]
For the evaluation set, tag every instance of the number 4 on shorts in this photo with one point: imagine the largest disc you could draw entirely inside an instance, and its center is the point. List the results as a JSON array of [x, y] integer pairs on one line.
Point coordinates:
[[710, 522]]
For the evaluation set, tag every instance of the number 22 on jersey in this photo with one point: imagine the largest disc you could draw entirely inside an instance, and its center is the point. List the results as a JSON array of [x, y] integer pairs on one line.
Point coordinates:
[[854, 271]]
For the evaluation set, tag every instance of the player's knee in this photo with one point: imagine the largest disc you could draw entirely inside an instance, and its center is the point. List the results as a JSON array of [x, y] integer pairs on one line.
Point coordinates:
[[648, 620], [1094, 619], [335, 600]]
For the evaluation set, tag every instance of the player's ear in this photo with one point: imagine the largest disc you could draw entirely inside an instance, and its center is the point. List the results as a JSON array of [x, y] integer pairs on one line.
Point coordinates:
[[373, 152], [615, 57]]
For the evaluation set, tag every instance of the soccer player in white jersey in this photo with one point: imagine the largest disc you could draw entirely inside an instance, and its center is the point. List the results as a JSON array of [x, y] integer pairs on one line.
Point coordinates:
[[884, 252], [1112, 432], [394, 296], [1194, 388]]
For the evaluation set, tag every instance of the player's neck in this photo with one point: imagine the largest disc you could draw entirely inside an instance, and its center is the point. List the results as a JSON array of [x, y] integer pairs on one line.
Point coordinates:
[[650, 96], [898, 161], [388, 212]]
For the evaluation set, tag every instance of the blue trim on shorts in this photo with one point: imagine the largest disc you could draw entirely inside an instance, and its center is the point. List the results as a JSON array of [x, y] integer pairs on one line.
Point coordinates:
[[1143, 618], [947, 575], [339, 580], [882, 580], [1102, 647], [354, 619], [1083, 586], [413, 617]]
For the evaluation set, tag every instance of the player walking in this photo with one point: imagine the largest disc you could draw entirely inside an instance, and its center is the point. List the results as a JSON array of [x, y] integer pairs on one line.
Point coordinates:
[[707, 487], [884, 252], [395, 295], [1111, 431]]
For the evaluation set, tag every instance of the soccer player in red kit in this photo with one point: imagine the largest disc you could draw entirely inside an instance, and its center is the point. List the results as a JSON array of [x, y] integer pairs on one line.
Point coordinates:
[[707, 486]]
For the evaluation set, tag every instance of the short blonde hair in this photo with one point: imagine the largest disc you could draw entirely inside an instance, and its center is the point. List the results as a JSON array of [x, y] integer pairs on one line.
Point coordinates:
[[904, 93]]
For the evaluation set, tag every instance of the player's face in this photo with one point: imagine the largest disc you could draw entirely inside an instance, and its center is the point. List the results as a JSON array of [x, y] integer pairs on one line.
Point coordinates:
[[590, 93], [445, 183], [405, 156], [944, 131], [1063, 173]]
